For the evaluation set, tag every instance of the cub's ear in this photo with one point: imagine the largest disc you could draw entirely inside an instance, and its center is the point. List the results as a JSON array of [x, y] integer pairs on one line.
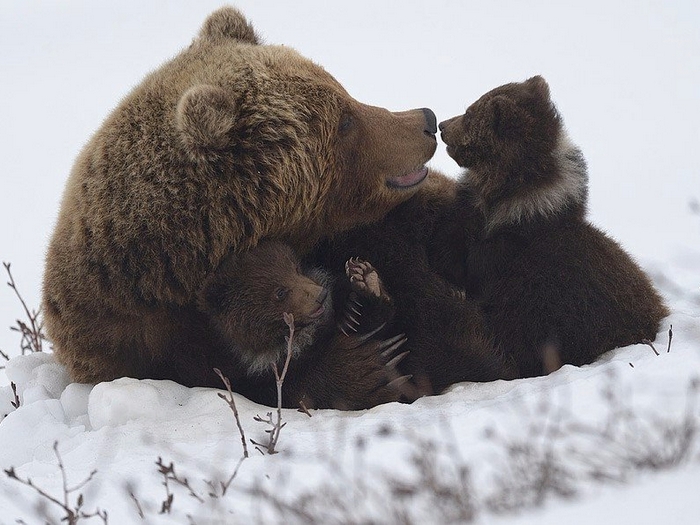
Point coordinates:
[[506, 117], [228, 23], [204, 117], [538, 85]]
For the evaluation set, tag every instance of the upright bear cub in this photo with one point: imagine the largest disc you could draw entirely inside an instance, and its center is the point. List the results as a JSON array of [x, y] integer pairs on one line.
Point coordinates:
[[553, 288], [228, 143]]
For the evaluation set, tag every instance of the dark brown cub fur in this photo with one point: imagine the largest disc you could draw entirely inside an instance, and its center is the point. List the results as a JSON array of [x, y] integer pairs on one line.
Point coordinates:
[[446, 338], [554, 289], [336, 362]]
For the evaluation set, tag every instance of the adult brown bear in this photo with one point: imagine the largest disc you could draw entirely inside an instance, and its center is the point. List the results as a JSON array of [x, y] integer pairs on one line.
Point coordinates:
[[228, 143]]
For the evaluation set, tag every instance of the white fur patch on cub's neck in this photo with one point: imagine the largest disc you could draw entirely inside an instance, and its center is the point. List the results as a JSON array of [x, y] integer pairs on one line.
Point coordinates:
[[570, 185]]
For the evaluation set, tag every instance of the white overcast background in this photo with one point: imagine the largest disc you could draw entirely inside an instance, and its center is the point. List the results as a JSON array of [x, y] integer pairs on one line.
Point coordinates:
[[626, 78]]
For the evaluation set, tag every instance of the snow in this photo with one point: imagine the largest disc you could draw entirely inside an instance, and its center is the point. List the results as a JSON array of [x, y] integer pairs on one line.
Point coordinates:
[[625, 78], [613, 428]]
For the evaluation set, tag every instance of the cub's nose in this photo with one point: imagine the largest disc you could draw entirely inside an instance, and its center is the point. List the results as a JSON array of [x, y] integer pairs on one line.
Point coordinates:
[[447, 122], [430, 121]]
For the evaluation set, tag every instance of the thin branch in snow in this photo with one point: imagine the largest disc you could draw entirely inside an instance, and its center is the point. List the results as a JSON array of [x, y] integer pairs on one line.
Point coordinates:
[[169, 474], [72, 515], [32, 331], [276, 426], [650, 344], [15, 402], [232, 404]]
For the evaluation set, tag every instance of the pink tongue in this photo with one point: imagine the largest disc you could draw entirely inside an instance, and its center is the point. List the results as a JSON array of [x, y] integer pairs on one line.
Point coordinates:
[[410, 179], [317, 313]]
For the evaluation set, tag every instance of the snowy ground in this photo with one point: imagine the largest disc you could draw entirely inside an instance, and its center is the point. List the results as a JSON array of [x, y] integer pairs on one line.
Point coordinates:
[[617, 440]]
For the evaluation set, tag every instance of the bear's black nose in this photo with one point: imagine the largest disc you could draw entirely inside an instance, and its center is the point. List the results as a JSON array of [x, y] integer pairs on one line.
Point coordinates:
[[430, 121]]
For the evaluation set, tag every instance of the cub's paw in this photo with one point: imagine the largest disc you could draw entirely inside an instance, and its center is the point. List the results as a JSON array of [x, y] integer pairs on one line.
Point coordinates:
[[364, 278]]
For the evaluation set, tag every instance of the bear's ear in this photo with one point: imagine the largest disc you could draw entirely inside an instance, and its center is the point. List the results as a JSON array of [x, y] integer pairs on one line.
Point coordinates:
[[538, 85], [506, 118], [228, 23], [204, 117]]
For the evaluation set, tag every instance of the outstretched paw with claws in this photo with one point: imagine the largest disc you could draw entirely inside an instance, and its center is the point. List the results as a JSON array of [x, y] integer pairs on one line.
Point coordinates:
[[368, 304], [374, 363], [364, 278]]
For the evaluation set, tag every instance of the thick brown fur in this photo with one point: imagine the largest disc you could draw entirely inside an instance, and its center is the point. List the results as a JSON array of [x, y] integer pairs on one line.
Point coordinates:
[[248, 297], [553, 288], [444, 329], [228, 143], [246, 302]]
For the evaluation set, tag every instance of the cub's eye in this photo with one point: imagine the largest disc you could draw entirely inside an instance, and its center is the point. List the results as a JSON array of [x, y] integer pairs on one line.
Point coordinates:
[[346, 122], [281, 294]]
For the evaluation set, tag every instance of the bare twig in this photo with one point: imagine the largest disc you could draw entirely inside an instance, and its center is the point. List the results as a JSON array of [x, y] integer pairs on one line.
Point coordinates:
[[139, 509], [232, 404], [33, 331], [226, 484], [72, 515], [169, 474], [15, 401], [276, 426], [670, 337], [302, 408], [650, 344]]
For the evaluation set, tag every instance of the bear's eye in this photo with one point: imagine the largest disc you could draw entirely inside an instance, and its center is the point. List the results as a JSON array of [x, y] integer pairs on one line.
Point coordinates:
[[346, 122], [281, 294]]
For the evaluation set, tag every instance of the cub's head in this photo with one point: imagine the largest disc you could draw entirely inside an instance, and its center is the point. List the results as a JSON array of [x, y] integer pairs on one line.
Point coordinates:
[[509, 133], [249, 295], [521, 163]]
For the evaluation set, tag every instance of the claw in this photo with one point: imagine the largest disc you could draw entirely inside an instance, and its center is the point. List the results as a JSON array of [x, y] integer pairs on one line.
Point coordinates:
[[357, 302], [390, 345], [361, 339], [355, 310], [351, 318], [399, 381], [340, 327], [396, 360]]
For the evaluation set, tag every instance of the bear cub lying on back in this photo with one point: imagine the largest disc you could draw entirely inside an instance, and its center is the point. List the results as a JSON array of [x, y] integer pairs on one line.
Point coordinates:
[[554, 289], [248, 298]]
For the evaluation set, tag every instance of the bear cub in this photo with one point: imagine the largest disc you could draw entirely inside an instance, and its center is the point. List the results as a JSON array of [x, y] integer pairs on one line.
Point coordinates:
[[248, 297], [553, 288]]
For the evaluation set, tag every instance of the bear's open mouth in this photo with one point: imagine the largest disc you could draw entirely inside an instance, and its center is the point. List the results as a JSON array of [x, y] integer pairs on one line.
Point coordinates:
[[310, 318], [410, 179], [318, 313]]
